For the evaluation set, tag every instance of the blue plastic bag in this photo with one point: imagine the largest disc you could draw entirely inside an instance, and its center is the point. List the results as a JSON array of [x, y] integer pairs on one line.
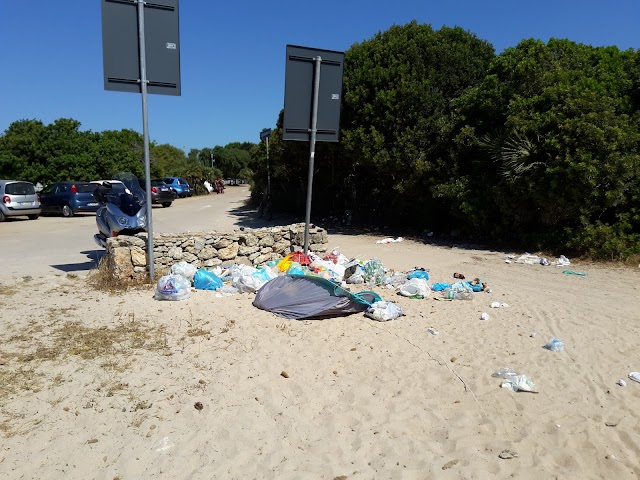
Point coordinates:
[[295, 269], [438, 287], [205, 280], [418, 274]]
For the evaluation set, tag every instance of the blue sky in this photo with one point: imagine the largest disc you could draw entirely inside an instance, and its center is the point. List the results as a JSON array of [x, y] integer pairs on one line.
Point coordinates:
[[233, 55]]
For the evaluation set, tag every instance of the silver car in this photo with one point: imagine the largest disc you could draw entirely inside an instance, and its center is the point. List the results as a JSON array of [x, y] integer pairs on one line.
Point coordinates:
[[18, 198]]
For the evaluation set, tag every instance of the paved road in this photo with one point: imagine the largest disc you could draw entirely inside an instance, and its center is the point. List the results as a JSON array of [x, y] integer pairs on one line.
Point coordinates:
[[57, 244]]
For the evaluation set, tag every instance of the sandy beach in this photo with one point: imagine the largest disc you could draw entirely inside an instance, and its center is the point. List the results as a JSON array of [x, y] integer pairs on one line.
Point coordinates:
[[121, 386]]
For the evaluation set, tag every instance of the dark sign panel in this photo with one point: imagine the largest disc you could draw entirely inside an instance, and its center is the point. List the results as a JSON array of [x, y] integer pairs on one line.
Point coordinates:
[[298, 94], [265, 133], [120, 46]]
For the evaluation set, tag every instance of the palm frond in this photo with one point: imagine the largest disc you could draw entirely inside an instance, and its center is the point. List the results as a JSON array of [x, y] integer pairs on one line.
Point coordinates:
[[516, 154]]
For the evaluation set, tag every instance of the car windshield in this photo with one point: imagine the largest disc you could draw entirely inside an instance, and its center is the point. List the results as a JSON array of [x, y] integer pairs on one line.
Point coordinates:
[[168, 180], [183, 182], [20, 188], [158, 183]]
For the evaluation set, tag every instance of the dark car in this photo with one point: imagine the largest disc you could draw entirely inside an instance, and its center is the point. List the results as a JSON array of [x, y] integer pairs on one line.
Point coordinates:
[[179, 185], [160, 192], [68, 198]]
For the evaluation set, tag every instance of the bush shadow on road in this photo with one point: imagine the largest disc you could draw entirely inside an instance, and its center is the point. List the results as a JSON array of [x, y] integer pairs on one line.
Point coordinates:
[[247, 217]]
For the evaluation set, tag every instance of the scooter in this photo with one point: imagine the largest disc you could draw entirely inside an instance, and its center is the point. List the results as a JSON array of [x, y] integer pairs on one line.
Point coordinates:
[[122, 209]]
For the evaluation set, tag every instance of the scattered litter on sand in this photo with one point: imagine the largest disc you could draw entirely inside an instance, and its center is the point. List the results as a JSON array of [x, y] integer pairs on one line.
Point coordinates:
[[508, 454], [519, 383], [530, 259], [572, 272], [499, 305], [555, 345], [390, 240], [173, 287], [505, 373]]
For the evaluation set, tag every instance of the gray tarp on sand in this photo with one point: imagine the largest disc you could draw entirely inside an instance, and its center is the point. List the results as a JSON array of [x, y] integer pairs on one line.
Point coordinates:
[[309, 297]]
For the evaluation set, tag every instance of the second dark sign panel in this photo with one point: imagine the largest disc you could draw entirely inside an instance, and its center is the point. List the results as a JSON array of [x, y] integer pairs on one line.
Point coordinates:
[[298, 95]]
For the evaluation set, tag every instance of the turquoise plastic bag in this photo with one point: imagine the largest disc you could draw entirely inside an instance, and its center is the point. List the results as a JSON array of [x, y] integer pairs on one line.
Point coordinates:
[[205, 280], [418, 274]]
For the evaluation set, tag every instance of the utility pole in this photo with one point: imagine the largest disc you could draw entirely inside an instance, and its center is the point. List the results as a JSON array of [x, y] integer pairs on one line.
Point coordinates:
[[264, 135]]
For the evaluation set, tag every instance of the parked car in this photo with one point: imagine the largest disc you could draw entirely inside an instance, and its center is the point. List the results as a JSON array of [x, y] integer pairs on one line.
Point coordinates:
[[160, 192], [178, 185], [68, 198], [101, 182], [18, 198]]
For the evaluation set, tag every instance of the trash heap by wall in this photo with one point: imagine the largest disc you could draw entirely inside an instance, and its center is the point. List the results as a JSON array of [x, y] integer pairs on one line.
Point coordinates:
[[126, 256]]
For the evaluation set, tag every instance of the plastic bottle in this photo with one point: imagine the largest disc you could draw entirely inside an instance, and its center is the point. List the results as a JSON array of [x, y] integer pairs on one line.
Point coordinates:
[[456, 294]]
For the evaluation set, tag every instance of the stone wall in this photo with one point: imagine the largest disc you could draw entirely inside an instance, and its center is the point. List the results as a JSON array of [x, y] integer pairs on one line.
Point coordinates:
[[127, 256]]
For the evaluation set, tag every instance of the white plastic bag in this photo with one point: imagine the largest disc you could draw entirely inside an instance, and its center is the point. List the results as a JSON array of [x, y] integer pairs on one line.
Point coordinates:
[[519, 383], [249, 279], [415, 286], [336, 269], [383, 311], [173, 287], [185, 269], [354, 272], [356, 278]]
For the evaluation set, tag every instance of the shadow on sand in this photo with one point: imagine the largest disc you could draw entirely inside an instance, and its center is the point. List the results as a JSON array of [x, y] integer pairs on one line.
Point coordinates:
[[94, 257], [247, 217]]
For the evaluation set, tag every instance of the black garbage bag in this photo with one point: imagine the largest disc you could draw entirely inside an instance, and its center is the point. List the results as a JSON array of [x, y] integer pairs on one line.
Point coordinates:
[[307, 297]]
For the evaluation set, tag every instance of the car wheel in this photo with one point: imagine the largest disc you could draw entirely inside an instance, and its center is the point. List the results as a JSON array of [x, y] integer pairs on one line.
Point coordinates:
[[2, 217], [166, 204], [67, 211], [33, 217]]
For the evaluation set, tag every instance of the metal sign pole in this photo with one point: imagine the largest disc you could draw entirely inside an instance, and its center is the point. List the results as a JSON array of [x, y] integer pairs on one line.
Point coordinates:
[[268, 171], [145, 134], [312, 150]]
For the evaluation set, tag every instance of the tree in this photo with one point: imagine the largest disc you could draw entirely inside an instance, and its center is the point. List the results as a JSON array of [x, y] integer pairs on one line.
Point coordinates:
[[560, 135], [396, 126]]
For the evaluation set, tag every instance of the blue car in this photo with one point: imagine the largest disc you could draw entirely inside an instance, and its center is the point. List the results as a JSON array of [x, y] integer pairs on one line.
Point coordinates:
[[68, 198], [179, 186]]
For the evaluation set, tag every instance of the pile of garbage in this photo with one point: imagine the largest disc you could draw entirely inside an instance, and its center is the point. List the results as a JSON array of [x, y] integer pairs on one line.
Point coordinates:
[[315, 286], [226, 280]]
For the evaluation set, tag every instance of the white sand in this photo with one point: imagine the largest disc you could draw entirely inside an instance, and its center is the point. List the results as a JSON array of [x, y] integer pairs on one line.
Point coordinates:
[[363, 399]]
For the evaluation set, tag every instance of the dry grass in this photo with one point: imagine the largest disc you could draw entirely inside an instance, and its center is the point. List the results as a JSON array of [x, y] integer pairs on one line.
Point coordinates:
[[138, 420], [21, 379], [104, 279], [633, 261], [53, 314], [7, 290], [111, 344], [228, 326], [198, 332], [74, 338], [285, 327]]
